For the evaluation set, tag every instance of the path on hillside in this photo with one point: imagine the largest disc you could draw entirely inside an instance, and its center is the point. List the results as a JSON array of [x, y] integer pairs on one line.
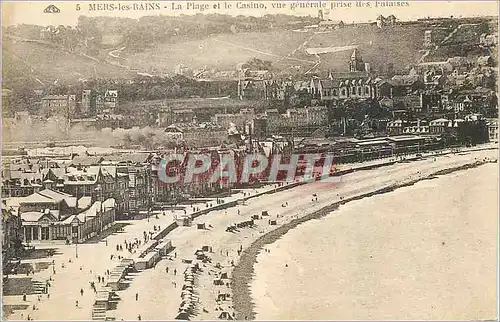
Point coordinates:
[[301, 46], [451, 34], [112, 53], [78, 53], [262, 52]]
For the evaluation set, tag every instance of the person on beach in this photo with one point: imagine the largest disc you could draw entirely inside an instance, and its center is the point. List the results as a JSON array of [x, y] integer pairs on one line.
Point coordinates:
[[137, 296], [175, 271], [166, 269], [139, 317], [76, 303]]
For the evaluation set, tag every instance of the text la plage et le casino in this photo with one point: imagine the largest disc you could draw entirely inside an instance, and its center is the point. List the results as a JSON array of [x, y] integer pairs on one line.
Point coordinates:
[[202, 6]]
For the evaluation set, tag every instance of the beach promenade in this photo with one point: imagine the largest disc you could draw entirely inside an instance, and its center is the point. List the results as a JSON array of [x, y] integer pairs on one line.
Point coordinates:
[[158, 292]]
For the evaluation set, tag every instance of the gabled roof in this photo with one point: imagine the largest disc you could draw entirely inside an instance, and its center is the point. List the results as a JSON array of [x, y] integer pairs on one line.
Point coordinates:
[[35, 216], [37, 198], [59, 196], [326, 83], [403, 80], [84, 202], [129, 157], [57, 172], [87, 160]]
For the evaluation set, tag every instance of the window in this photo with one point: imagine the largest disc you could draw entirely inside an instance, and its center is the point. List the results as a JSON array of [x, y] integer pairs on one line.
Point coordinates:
[[343, 91], [367, 90]]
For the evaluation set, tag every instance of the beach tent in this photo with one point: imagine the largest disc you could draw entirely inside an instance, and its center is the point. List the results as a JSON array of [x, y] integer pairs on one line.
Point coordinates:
[[224, 275], [183, 316], [273, 222], [201, 226], [225, 316], [265, 213], [255, 217]]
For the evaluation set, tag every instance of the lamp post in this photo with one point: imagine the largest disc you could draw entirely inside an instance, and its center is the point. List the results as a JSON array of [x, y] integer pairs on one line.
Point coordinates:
[[76, 249]]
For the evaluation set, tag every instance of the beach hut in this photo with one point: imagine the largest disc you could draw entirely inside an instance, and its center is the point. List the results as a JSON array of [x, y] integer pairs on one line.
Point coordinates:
[[223, 296], [265, 213], [225, 316], [207, 249], [218, 282], [273, 222], [255, 217], [184, 220], [201, 226], [224, 275]]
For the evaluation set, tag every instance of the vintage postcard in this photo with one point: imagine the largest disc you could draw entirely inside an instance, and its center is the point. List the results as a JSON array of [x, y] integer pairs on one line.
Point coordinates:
[[249, 160]]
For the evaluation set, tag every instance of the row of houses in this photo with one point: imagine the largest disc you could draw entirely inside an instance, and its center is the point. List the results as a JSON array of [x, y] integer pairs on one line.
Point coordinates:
[[49, 215], [92, 103], [124, 181], [445, 127]]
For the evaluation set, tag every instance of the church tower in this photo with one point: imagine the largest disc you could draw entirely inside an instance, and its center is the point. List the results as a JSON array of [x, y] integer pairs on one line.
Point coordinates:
[[356, 63]]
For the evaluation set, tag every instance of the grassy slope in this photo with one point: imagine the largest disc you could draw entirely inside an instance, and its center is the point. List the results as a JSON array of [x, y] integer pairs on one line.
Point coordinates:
[[51, 63], [395, 45], [218, 52], [399, 45]]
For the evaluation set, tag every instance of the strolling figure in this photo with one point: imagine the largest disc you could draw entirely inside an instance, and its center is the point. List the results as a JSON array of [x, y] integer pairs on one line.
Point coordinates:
[[137, 296]]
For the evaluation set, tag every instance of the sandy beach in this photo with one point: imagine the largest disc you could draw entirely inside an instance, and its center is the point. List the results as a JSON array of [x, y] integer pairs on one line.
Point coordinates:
[[158, 291]]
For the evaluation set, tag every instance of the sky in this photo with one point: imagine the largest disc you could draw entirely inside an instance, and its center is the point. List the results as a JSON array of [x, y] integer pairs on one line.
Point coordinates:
[[32, 12]]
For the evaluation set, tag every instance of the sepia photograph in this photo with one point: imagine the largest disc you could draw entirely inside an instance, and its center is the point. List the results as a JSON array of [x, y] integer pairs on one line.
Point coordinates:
[[249, 160]]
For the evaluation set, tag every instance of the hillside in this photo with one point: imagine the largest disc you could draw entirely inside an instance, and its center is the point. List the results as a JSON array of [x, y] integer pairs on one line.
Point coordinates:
[[285, 49], [220, 51], [399, 45], [48, 63], [37, 62]]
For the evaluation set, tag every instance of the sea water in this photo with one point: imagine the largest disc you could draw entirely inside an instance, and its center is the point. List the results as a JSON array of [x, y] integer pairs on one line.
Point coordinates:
[[426, 251]]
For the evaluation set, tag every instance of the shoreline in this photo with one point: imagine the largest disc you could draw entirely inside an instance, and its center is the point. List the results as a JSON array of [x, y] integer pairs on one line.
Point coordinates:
[[218, 237], [243, 272]]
